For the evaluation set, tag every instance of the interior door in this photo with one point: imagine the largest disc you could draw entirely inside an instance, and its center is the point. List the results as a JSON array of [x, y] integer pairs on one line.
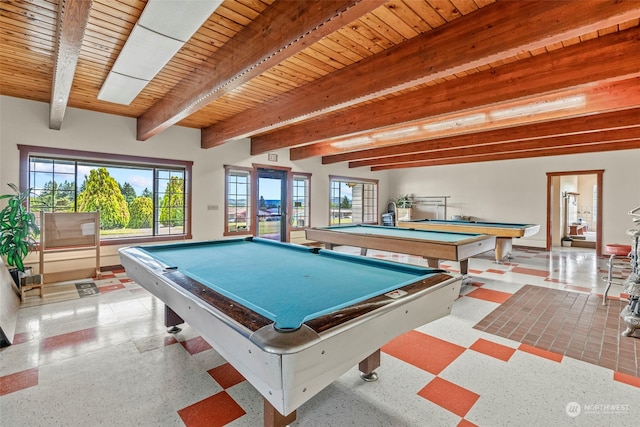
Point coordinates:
[[271, 204]]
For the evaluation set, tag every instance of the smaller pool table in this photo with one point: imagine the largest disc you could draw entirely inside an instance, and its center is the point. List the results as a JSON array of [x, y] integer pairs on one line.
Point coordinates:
[[290, 319], [504, 231], [432, 245]]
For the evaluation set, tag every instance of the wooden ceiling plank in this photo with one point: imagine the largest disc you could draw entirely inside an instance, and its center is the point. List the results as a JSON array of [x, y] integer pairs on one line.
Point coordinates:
[[606, 58], [581, 149], [587, 125], [488, 148], [476, 39], [408, 16], [73, 16], [426, 12], [283, 30]]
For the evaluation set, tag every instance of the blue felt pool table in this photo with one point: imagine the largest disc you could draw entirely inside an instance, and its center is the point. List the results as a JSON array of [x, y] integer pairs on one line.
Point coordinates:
[[431, 245], [504, 231], [290, 319]]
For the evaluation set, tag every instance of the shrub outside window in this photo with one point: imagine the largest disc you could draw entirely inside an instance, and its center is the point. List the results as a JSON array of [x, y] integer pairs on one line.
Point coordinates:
[[139, 199]]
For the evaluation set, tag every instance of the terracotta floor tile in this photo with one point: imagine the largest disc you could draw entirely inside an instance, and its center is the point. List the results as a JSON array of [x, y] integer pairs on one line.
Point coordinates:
[[530, 271], [465, 423], [226, 375], [423, 351], [450, 396], [68, 340], [542, 353], [215, 411], [18, 381], [489, 295], [195, 345], [110, 288], [493, 349], [627, 379]]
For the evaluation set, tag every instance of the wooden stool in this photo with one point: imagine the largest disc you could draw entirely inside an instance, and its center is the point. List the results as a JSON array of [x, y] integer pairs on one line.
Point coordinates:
[[620, 261], [29, 283]]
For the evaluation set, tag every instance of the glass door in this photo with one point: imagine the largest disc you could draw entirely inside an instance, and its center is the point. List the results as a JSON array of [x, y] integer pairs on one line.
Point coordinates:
[[271, 204]]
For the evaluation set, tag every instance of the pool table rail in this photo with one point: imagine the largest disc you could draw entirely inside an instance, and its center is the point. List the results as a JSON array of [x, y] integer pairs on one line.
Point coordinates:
[[287, 374]]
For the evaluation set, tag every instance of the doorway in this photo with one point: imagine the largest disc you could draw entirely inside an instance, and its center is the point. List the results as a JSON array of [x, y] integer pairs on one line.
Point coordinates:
[[271, 204], [574, 209]]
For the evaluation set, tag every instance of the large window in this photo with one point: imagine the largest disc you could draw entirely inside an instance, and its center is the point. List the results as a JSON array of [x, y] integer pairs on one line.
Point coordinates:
[[353, 200], [138, 198], [238, 200]]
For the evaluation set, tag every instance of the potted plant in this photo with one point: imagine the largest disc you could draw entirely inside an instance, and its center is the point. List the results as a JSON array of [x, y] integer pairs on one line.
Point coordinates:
[[403, 207], [18, 230]]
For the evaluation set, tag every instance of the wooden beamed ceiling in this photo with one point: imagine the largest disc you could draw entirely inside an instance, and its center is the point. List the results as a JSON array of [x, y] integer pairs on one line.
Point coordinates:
[[375, 83]]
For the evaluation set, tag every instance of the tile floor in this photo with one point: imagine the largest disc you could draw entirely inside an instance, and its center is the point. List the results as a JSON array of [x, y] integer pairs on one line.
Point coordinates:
[[107, 360]]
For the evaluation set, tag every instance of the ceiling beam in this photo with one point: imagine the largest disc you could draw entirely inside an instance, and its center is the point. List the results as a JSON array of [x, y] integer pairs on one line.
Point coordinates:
[[282, 30], [492, 34], [554, 128], [489, 148], [615, 56], [73, 16], [581, 149]]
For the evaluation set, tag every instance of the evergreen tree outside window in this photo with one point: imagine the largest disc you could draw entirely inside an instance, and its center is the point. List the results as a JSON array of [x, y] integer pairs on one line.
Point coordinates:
[[137, 199]]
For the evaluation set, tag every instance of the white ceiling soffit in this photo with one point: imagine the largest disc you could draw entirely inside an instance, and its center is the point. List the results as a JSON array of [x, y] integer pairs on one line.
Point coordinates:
[[163, 28]]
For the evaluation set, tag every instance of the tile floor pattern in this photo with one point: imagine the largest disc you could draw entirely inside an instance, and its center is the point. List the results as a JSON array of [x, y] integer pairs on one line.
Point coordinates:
[[568, 323], [108, 360]]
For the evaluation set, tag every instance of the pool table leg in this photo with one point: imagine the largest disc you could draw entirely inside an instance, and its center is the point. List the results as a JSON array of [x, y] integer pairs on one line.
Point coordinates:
[[273, 418], [503, 248], [369, 365], [172, 320], [433, 262], [464, 270]]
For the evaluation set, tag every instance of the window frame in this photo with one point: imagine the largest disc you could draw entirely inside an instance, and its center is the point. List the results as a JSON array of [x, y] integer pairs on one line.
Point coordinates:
[[26, 151], [307, 208], [250, 215], [375, 182]]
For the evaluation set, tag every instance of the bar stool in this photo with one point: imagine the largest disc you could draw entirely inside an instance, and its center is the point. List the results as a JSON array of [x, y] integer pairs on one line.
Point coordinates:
[[620, 263]]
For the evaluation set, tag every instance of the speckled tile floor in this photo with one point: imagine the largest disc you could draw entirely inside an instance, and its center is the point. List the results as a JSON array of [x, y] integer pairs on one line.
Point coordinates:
[[108, 359]]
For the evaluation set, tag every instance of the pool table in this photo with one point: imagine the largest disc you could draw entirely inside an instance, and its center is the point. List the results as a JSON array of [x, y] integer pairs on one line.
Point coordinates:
[[432, 245], [289, 318], [504, 231]]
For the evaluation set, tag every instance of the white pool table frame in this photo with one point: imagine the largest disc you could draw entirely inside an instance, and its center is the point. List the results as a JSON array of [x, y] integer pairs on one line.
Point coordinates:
[[295, 366]]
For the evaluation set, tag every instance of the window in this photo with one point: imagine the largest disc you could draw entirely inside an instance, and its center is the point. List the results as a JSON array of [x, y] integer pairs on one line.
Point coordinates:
[[139, 198], [353, 200], [301, 201], [238, 200]]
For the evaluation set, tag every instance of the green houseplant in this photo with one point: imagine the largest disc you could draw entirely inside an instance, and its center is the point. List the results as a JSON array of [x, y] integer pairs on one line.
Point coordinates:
[[404, 201], [403, 208], [18, 228]]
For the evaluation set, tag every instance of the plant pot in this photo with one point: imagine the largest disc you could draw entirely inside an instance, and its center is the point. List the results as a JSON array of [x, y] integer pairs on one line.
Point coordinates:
[[14, 275], [403, 214], [18, 276]]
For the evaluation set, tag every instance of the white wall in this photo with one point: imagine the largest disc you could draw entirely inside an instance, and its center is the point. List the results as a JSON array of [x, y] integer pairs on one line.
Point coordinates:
[[516, 190], [26, 122]]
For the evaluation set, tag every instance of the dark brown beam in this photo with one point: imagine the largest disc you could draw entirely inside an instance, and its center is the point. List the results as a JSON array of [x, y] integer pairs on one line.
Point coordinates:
[[73, 16], [619, 135], [496, 32], [580, 125], [284, 29], [616, 56], [581, 149]]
